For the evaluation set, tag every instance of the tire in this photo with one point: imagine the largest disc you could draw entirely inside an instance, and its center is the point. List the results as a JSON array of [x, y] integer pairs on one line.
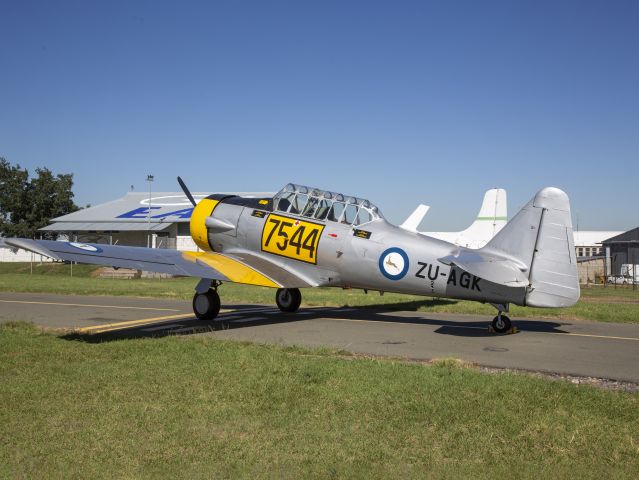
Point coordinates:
[[501, 324], [206, 306], [288, 299]]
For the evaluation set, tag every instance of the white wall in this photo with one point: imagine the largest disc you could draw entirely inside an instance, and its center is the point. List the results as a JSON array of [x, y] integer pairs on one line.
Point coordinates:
[[185, 243], [8, 255]]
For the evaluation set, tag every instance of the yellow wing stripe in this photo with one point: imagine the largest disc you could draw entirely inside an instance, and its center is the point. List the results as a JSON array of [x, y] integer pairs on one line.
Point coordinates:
[[232, 269], [199, 232]]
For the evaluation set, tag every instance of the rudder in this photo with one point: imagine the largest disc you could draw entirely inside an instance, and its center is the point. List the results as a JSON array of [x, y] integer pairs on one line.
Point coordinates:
[[540, 236]]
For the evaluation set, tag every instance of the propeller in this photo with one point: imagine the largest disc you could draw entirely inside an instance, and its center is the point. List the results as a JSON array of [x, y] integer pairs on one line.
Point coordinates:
[[186, 191]]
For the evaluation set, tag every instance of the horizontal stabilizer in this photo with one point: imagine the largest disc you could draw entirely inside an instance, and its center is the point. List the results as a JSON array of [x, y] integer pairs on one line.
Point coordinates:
[[493, 268]]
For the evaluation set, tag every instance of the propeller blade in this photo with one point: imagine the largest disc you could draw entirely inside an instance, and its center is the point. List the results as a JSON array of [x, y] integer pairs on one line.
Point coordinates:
[[186, 191]]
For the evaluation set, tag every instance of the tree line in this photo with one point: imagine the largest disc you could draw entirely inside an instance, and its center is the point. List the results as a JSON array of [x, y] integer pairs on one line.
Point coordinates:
[[29, 203]]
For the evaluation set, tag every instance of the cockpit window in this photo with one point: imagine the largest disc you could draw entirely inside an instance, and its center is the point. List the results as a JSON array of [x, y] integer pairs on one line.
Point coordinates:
[[336, 211], [363, 216], [349, 214], [309, 209], [282, 203], [298, 204], [325, 206], [322, 210]]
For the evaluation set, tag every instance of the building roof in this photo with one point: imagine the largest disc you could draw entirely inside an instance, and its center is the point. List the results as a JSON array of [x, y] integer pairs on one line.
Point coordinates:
[[631, 236], [105, 227], [133, 211], [589, 238]]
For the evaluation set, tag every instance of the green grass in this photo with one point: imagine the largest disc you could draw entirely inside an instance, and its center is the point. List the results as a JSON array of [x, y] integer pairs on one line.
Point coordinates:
[[178, 407], [49, 269], [597, 304]]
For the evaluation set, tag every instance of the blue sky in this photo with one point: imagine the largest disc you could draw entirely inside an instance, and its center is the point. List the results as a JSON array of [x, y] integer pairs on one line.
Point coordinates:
[[399, 102]]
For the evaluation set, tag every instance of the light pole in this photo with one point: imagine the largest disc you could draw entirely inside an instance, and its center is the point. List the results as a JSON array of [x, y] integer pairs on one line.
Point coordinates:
[[149, 178]]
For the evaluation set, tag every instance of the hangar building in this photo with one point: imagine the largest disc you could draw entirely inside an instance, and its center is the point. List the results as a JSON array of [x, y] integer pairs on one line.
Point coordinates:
[[623, 251], [590, 252], [588, 243], [136, 219]]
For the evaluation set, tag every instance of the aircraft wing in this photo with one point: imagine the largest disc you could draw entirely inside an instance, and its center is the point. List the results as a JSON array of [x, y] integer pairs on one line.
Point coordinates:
[[493, 268], [247, 269]]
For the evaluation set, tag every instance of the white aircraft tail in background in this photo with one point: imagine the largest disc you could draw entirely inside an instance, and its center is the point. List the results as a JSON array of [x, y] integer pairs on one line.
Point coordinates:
[[415, 218], [492, 217]]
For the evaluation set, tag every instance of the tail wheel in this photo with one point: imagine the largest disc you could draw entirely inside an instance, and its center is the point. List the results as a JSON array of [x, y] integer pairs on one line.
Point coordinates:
[[288, 299], [206, 306], [501, 324]]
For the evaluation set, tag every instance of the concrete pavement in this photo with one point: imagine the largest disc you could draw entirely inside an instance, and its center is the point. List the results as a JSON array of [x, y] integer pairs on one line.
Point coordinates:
[[590, 349]]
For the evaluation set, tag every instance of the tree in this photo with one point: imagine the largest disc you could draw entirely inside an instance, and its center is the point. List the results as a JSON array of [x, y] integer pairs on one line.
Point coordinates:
[[27, 205]]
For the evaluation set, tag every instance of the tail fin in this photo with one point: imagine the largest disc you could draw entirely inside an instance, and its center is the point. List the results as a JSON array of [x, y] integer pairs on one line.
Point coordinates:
[[492, 217], [540, 237]]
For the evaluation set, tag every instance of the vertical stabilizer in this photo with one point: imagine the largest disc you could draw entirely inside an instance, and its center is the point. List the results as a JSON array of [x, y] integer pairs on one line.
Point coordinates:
[[540, 237], [553, 274], [492, 217]]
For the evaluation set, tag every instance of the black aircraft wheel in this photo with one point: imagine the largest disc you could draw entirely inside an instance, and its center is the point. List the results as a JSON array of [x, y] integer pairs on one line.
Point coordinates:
[[206, 306], [288, 299], [501, 324]]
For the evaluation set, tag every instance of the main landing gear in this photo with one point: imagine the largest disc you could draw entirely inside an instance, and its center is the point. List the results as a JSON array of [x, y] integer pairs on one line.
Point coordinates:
[[206, 301], [501, 323], [288, 299], [206, 305]]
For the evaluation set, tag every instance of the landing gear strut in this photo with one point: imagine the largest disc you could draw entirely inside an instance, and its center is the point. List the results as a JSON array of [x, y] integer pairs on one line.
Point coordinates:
[[206, 305], [501, 323], [288, 299]]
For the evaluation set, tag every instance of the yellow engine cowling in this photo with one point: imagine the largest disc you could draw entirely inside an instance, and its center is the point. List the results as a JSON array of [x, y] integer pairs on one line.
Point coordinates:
[[198, 228]]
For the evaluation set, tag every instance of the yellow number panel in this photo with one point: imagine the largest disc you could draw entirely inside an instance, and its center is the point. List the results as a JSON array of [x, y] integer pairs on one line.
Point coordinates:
[[290, 237]]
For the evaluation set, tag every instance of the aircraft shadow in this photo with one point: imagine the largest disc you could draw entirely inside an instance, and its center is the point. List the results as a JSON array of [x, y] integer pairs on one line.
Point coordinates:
[[245, 316]]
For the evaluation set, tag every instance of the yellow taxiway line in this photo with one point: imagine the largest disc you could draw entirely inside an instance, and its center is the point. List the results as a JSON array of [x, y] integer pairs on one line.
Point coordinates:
[[606, 337], [108, 327], [593, 336], [90, 305]]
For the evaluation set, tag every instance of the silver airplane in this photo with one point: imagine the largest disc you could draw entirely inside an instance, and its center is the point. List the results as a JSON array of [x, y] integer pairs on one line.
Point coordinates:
[[306, 237]]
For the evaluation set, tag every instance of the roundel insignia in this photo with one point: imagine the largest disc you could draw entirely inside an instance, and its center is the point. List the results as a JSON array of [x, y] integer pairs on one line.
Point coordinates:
[[393, 263], [86, 247]]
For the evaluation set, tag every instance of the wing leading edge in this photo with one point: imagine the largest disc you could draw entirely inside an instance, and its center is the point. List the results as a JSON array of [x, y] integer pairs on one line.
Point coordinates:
[[214, 266]]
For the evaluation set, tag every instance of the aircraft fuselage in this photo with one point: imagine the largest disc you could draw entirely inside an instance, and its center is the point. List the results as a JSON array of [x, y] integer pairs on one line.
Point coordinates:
[[373, 256]]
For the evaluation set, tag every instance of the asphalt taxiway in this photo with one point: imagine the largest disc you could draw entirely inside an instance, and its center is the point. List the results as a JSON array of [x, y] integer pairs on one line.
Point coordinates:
[[603, 350]]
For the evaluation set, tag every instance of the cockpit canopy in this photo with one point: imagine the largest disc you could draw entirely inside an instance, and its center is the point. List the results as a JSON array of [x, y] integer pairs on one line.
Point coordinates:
[[323, 205]]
